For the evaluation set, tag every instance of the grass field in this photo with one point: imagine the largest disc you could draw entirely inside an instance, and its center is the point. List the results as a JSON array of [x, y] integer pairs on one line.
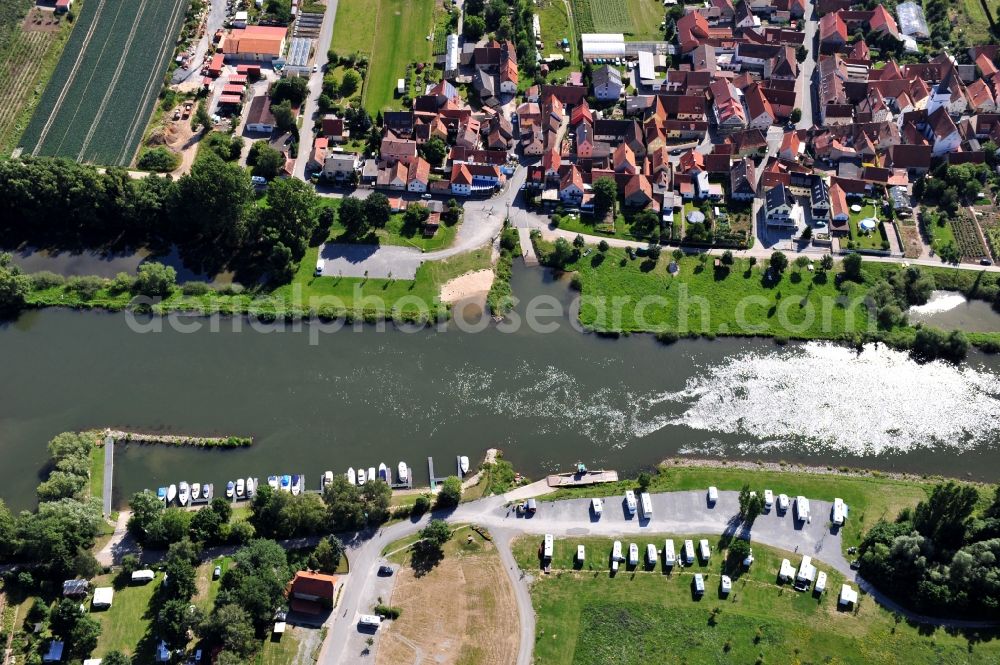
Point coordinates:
[[475, 629], [124, 625], [588, 618], [975, 24], [870, 499], [396, 232], [700, 299], [873, 240], [27, 58], [392, 33], [281, 652], [556, 26], [104, 87]]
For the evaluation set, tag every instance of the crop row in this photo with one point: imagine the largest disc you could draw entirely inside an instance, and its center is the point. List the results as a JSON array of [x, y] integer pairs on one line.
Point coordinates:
[[611, 16], [19, 68], [967, 239]]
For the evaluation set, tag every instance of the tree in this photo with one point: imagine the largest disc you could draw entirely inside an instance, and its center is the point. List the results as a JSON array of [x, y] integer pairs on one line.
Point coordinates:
[[293, 88], [738, 550], [751, 504], [852, 266], [605, 193], [230, 627], [434, 150], [327, 555], [603, 246], [155, 280], [284, 116], [450, 493], [82, 639], [796, 115], [55, 534], [474, 28], [14, 286], [376, 497], [778, 262], [130, 563], [344, 507], [436, 533], [944, 516], [727, 258], [377, 210], [175, 619], [223, 508], [281, 231], [116, 658], [180, 572], [7, 531], [256, 582], [349, 83], [353, 218], [801, 261], [266, 161], [562, 254], [654, 251], [826, 263], [160, 159], [201, 117], [644, 480], [209, 208], [206, 526], [579, 242], [421, 505]]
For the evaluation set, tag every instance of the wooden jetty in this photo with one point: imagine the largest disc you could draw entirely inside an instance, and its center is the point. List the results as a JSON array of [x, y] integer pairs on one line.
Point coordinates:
[[580, 479]]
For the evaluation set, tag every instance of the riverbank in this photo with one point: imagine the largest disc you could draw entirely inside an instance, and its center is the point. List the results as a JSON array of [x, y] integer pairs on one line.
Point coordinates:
[[624, 291]]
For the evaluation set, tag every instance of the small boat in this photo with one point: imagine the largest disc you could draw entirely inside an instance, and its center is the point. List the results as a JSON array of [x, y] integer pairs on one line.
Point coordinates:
[[272, 481], [361, 476], [371, 475], [251, 487], [241, 487], [402, 472], [296, 484], [207, 490], [161, 493], [383, 473], [327, 479], [463, 464], [352, 477], [230, 488], [171, 493], [183, 493], [286, 483], [195, 491]]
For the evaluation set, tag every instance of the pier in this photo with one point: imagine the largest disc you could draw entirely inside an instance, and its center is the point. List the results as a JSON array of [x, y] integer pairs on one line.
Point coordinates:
[[581, 479], [527, 247], [109, 474]]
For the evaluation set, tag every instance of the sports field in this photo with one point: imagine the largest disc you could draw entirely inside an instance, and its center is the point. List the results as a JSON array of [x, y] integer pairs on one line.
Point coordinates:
[[102, 91], [393, 34]]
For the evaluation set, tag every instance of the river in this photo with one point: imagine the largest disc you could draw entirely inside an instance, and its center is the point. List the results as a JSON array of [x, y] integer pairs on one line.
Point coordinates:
[[547, 399]]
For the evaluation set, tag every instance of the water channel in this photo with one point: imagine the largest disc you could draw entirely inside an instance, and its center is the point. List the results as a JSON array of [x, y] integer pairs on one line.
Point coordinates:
[[547, 399]]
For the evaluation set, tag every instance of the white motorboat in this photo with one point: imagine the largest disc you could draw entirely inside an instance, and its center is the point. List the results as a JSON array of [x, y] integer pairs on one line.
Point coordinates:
[[195, 491], [463, 464], [286, 483], [361, 476], [251, 487], [207, 490], [327, 479], [296, 484], [171, 493], [161, 493], [371, 474], [241, 487], [183, 493], [402, 473], [230, 488], [272, 481], [352, 477], [383, 473]]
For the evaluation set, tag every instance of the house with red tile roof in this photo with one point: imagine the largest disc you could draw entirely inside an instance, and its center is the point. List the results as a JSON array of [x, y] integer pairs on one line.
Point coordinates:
[[311, 593], [571, 186]]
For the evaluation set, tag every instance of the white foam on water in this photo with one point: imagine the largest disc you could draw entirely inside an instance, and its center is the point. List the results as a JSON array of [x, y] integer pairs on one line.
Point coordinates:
[[825, 397], [940, 301]]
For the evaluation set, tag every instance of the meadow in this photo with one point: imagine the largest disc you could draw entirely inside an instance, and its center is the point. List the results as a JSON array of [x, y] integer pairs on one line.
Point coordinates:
[[104, 87], [586, 617]]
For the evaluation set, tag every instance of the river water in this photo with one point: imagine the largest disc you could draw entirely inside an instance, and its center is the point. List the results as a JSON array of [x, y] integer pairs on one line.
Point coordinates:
[[547, 399]]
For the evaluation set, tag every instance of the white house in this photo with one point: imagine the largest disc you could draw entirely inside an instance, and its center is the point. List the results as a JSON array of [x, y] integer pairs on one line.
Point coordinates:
[[340, 165], [778, 204], [942, 131], [607, 83], [571, 187]]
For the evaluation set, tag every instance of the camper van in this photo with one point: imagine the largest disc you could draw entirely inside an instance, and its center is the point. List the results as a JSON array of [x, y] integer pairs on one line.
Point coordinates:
[[699, 584], [820, 583], [597, 506], [651, 554], [768, 499], [633, 554], [713, 495], [806, 574], [630, 502], [369, 621], [782, 502], [726, 584], [531, 506], [703, 551], [143, 576], [581, 554], [547, 547], [616, 551], [839, 512], [688, 552], [646, 505], [668, 553], [802, 509]]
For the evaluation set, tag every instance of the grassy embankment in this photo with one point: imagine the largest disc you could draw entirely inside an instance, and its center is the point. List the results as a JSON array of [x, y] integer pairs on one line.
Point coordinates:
[[703, 300], [870, 497], [587, 617], [398, 232]]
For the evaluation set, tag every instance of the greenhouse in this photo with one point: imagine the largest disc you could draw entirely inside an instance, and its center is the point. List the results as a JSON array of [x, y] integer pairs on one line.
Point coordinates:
[[911, 20]]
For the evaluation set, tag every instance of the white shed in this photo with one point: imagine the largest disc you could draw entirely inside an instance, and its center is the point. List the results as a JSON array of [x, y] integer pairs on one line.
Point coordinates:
[[102, 598], [848, 596]]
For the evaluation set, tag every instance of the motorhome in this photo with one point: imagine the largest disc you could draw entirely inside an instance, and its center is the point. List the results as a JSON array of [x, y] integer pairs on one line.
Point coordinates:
[[630, 502], [713, 495], [688, 552], [699, 584], [547, 547], [703, 551], [651, 554], [633, 554], [802, 509], [839, 512], [669, 558], [597, 506], [768, 499], [646, 505]]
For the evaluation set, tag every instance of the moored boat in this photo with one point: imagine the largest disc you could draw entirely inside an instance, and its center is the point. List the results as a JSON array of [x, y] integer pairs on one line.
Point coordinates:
[[207, 490], [195, 491], [272, 481], [171, 493], [383, 473], [352, 477], [296, 484], [161, 493], [327, 479], [183, 493], [230, 489], [241, 487], [402, 473], [371, 475], [361, 476], [463, 464], [251, 487], [286, 483]]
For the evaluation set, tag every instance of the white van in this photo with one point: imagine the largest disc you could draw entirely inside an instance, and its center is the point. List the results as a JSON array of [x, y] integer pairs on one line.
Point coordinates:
[[630, 502], [597, 506], [713, 495], [370, 620], [768, 499], [646, 505], [669, 558]]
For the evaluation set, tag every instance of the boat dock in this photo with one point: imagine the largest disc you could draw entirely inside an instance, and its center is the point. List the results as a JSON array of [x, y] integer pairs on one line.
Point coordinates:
[[109, 474], [581, 479], [527, 247]]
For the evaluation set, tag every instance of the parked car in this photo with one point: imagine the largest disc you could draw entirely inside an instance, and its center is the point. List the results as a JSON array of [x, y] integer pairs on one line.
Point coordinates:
[[985, 262], [385, 571], [217, 573], [425, 196]]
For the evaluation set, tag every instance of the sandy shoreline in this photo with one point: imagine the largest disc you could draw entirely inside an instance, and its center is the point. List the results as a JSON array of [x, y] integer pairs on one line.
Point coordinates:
[[468, 286]]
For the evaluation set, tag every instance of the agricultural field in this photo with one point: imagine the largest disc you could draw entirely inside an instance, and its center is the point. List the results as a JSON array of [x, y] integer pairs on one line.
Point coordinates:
[[637, 19], [30, 42], [392, 34], [967, 238], [105, 85]]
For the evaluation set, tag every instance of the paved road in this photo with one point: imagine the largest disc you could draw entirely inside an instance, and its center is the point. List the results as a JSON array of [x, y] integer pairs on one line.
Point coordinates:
[[315, 88], [216, 17], [806, 68]]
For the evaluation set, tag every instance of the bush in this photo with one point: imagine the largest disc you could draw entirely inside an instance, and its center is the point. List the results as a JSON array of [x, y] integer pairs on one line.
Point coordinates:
[[159, 159], [46, 280], [155, 279], [195, 288], [85, 287]]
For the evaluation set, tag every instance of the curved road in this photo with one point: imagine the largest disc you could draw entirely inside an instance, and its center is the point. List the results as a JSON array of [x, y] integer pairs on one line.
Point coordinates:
[[676, 513]]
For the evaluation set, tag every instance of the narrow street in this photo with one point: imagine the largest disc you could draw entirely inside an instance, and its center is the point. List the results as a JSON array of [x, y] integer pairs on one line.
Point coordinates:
[[311, 108]]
